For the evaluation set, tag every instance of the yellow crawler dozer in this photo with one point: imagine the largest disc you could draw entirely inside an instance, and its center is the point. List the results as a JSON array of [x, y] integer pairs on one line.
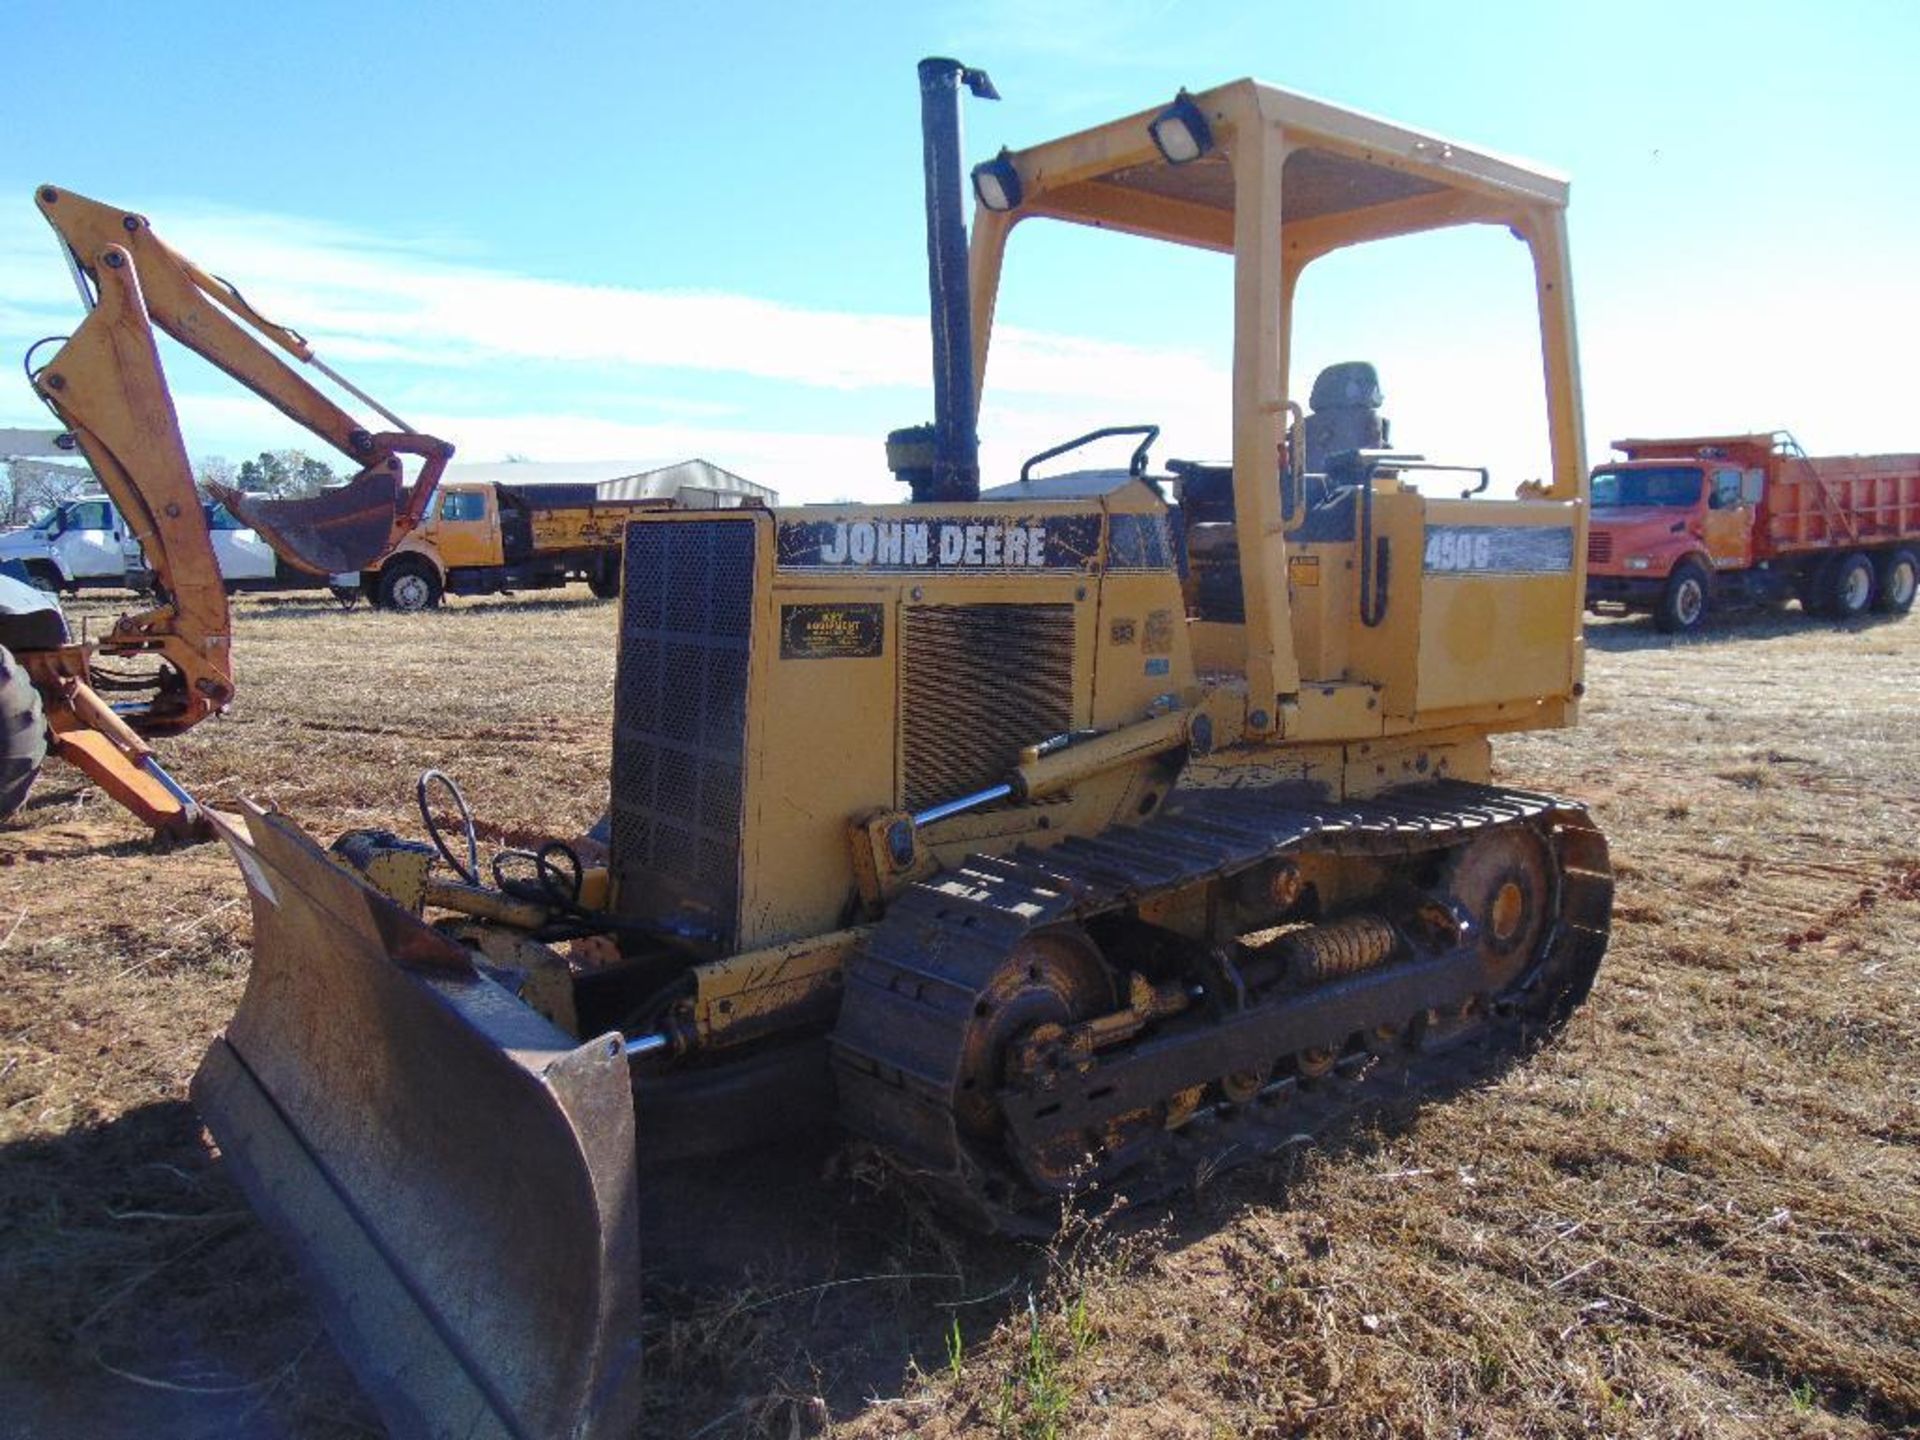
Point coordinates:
[[1087, 826]]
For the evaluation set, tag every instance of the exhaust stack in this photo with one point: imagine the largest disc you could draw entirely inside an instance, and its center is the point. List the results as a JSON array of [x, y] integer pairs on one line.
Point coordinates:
[[941, 462]]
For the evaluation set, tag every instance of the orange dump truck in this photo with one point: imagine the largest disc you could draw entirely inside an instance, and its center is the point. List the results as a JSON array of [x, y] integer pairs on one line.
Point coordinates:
[[1682, 525]]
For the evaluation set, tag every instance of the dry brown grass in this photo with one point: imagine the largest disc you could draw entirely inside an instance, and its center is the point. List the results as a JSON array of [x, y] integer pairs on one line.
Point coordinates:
[[1698, 1213]]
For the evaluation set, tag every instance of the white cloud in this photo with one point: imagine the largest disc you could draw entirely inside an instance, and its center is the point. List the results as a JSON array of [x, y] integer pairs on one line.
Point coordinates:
[[502, 362], [416, 324], [359, 298]]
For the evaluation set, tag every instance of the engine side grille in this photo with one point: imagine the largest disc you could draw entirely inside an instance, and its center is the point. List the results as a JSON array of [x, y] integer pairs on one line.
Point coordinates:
[[1599, 547], [680, 717], [977, 683]]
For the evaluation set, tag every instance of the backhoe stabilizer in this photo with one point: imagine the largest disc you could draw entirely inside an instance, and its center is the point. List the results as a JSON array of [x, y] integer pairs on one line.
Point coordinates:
[[454, 1176]]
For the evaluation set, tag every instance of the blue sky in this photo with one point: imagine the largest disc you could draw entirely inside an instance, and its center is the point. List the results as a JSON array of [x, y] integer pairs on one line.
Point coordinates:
[[641, 232]]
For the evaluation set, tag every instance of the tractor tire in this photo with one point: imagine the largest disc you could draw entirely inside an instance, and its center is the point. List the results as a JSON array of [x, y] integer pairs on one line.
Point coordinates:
[[1683, 604], [1850, 587], [604, 582], [1899, 578], [23, 734], [409, 586]]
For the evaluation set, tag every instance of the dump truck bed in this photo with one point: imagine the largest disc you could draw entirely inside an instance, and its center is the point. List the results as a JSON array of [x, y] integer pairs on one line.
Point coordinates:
[[553, 525], [1811, 503], [1828, 502]]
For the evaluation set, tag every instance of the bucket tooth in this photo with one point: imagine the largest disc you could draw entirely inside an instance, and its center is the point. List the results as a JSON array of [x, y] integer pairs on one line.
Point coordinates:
[[454, 1175]]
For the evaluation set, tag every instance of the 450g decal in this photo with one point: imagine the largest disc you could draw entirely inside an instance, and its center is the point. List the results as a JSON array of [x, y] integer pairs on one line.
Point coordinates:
[[1498, 550]]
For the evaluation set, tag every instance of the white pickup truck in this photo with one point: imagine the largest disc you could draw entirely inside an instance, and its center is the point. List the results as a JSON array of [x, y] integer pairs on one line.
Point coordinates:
[[79, 544], [86, 543]]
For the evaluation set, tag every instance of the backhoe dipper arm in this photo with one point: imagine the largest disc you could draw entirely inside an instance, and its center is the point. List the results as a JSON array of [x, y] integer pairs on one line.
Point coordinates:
[[342, 530], [107, 387]]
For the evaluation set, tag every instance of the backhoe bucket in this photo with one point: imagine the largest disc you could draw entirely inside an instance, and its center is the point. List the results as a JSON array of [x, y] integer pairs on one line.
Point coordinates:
[[454, 1175], [335, 532]]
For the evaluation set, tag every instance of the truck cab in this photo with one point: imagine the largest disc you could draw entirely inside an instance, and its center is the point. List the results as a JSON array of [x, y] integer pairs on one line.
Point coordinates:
[[462, 527], [1663, 528], [458, 539], [79, 544]]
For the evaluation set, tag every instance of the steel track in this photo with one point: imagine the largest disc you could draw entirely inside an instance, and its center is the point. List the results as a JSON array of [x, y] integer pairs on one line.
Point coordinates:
[[912, 991]]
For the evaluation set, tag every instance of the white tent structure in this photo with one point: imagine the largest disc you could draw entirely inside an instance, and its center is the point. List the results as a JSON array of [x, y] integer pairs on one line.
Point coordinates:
[[37, 445], [31, 459], [698, 484]]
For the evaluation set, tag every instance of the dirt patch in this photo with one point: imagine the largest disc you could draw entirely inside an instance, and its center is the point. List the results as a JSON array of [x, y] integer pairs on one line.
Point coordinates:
[[1697, 1213]]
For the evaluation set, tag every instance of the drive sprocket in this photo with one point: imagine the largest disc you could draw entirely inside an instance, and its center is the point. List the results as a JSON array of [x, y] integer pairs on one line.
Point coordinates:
[[1502, 881]]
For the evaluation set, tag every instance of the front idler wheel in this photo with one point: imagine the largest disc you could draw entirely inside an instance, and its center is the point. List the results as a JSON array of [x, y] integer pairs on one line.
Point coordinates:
[[1051, 981]]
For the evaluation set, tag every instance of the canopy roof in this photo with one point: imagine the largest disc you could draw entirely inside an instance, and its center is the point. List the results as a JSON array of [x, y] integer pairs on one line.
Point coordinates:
[[1372, 177]]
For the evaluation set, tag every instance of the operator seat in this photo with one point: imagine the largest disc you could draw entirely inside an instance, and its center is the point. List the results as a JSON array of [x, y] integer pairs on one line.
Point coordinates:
[[1343, 417], [1343, 414]]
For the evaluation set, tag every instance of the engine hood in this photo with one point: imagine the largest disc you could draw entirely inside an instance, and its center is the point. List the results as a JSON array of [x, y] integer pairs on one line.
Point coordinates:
[[27, 544]]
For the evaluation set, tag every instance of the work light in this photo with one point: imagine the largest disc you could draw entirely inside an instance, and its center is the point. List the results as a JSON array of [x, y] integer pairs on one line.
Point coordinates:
[[1181, 131], [996, 183]]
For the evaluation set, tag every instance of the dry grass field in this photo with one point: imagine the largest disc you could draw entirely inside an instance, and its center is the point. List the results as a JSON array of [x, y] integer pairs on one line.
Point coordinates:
[[1696, 1213]]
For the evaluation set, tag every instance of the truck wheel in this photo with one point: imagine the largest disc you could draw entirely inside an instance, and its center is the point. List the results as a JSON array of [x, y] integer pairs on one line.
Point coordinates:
[[409, 585], [604, 582], [1683, 604], [43, 576], [1899, 578], [1850, 587], [23, 734]]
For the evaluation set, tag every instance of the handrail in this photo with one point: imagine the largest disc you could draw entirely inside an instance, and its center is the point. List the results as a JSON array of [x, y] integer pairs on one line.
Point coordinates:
[[1293, 494], [1136, 467]]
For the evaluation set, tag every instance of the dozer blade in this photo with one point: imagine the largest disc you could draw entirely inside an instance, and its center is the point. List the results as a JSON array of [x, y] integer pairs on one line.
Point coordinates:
[[454, 1175], [334, 532]]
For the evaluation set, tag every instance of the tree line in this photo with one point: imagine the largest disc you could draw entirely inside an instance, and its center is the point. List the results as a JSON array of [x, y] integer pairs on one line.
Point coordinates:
[[32, 489]]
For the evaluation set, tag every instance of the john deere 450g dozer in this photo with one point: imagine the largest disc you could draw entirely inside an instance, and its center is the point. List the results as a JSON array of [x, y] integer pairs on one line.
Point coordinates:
[[1080, 828]]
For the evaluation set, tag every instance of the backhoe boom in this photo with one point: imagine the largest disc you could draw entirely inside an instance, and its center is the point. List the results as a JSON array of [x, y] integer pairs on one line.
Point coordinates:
[[108, 388], [340, 531]]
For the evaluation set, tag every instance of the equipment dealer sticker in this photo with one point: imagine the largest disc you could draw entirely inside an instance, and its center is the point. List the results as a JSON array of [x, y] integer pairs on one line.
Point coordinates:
[[831, 632]]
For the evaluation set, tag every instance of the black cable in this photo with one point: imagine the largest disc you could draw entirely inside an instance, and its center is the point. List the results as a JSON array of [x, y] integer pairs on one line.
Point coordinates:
[[469, 872], [26, 361], [558, 877], [551, 885]]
